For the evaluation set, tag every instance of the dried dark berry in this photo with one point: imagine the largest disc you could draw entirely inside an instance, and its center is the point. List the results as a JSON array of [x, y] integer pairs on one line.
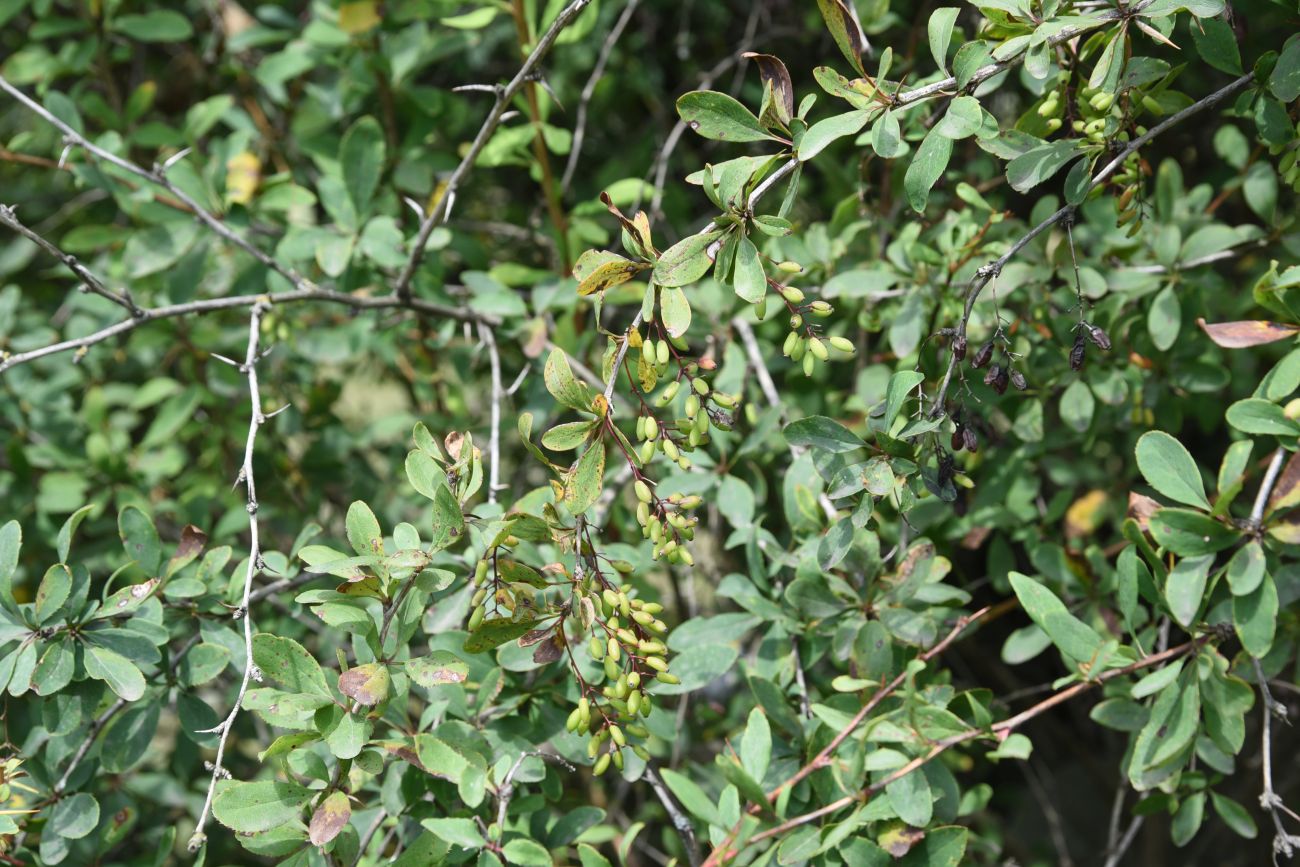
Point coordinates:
[[946, 467], [970, 440], [1018, 380], [983, 355], [992, 376], [1000, 383], [959, 347], [1077, 353], [1099, 337], [957, 439]]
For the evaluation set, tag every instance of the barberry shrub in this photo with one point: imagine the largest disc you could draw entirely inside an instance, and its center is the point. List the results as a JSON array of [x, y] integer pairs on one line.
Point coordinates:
[[729, 433]]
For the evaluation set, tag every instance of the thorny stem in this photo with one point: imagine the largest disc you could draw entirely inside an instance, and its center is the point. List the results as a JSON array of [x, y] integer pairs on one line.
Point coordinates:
[[494, 439], [682, 825], [999, 730], [251, 671], [9, 217], [438, 214], [1266, 488]]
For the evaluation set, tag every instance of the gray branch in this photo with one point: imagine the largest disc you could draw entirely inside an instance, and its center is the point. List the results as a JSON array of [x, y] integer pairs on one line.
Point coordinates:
[[438, 214]]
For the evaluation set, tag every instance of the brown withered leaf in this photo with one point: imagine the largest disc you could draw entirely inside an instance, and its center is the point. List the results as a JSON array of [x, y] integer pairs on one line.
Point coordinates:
[[329, 819], [1286, 493], [1141, 508], [533, 636], [773, 72], [365, 684], [453, 442], [1247, 332], [549, 651]]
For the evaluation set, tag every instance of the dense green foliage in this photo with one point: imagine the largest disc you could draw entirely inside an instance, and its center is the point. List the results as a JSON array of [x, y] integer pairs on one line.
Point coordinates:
[[754, 433]]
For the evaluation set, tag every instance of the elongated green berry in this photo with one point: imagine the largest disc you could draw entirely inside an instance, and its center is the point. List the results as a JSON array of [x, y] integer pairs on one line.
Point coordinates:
[[602, 765]]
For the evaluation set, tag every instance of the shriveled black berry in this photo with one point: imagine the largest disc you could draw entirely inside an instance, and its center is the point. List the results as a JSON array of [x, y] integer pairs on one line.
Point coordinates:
[[959, 347], [983, 355], [1000, 382], [1099, 337], [1018, 380], [970, 440], [1078, 352], [957, 439], [992, 375]]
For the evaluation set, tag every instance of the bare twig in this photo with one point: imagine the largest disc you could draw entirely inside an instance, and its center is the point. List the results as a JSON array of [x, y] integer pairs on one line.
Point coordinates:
[[356, 302], [1266, 488], [1284, 842], [442, 208], [9, 217], [987, 273], [597, 73], [158, 177], [494, 439], [681, 824], [506, 789], [257, 418]]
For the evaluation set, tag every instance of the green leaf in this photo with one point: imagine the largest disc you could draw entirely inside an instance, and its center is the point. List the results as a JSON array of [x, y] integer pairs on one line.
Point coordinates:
[[963, 118], [160, 25], [944, 846], [887, 137], [1186, 586], [1255, 416], [67, 530], [1246, 569], [674, 310], [1164, 318], [288, 663], [718, 116], [911, 798], [439, 667], [749, 279], [1284, 81], [11, 541], [926, 168], [457, 832], [496, 631], [74, 817], [1039, 163], [1217, 45], [1187, 821], [361, 157], [583, 488], [52, 592], [140, 539], [818, 431], [756, 745], [569, 435], [1191, 534], [939, 30], [562, 384], [825, 131], [1072, 636], [844, 30], [686, 261], [1169, 468], [259, 806], [1234, 816], [526, 853], [363, 530], [900, 386], [692, 797], [116, 670], [1255, 617]]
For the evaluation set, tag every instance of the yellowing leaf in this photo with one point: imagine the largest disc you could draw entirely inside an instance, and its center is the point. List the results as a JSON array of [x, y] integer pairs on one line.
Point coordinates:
[[243, 174], [359, 17], [1085, 514]]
